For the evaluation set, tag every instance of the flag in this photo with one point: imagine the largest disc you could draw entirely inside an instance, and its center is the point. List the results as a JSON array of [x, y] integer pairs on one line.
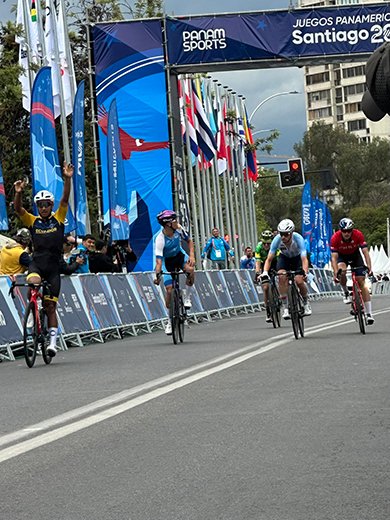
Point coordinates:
[[209, 108], [307, 215], [205, 137], [3, 206], [55, 43], [28, 41], [320, 250], [66, 61], [186, 118], [46, 169], [250, 155], [78, 150], [119, 204], [221, 140]]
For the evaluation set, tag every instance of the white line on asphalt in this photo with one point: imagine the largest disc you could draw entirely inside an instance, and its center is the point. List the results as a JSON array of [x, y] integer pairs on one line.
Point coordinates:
[[238, 357]]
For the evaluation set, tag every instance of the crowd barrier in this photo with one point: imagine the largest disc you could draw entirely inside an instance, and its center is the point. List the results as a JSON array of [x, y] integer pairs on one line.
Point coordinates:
[[94, 307]]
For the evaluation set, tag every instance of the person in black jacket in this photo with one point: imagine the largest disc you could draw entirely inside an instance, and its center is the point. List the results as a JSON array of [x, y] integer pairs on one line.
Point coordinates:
[[99, 261]]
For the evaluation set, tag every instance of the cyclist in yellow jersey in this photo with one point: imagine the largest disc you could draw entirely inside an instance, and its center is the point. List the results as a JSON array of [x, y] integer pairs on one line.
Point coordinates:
[[47, 233]]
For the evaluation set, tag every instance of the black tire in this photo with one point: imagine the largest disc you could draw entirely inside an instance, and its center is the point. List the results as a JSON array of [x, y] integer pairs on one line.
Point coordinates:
[[360, 315], [43, 337], [277, 304], [271, 306], [294, 312], [174, 315], [30, 336], [182, 319], [301, 324]]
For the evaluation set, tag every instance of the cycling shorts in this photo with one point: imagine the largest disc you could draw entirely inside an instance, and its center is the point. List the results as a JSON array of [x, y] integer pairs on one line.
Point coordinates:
[[172, 263], [293, 263], [355, 261], [49, 273]]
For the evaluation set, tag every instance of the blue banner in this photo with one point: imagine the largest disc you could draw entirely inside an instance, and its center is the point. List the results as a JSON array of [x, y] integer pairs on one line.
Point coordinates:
[[129, 60], [119, 212], [321, 238], [3, 205], [307, 215], [78, 151], [284, 35], [46, 170]]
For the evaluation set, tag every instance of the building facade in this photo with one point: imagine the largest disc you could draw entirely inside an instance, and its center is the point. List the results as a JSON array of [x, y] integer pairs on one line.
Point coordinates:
[[334, 91]]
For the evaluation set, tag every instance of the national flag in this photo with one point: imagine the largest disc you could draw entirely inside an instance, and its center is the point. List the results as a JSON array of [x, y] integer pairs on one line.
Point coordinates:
[[250, 154], [3, 205], [221, 141], [66, 61], [205, 137], [28, 41], [186, 117]]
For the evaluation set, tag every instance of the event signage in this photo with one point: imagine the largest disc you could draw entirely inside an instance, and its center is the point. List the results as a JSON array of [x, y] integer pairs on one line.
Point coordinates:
[[292, 34]]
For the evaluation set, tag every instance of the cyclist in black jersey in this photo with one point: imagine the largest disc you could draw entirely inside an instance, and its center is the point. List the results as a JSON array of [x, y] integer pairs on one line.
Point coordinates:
[[47, 233]]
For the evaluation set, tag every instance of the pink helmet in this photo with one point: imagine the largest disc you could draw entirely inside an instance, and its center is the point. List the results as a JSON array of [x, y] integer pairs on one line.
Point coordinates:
[[166, 216]]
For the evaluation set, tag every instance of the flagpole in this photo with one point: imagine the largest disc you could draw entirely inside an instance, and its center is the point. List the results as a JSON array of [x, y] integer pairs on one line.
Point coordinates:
[[216, 172], [68, 52], [27, 43], [250, 191]]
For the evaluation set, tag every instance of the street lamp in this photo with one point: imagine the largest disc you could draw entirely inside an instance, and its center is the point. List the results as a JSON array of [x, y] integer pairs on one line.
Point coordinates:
[[266, 130], [268, 98]]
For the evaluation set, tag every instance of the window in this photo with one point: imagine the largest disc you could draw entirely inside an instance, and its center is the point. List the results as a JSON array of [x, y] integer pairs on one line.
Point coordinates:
[[358, 124], [352, 90], [351, 108], [321, 77], [320, 113], [352, 72]]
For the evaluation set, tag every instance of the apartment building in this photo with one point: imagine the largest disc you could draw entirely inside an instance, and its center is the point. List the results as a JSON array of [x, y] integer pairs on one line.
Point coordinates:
[[334, 92]]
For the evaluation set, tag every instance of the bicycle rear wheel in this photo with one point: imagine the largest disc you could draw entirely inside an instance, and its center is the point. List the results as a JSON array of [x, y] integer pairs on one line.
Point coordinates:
[[174, 315], [43, 337], [301, 313], [30, 335], [271, 306], [293, 307]]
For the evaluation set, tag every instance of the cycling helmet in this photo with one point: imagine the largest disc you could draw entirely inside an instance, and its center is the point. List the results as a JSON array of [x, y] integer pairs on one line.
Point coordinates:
[[346, 224], [43, 195], [22, 236], [286, 226], [166, 216], [267, 236]]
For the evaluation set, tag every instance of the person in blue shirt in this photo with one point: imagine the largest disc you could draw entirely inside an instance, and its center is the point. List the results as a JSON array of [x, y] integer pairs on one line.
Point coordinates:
[[216, 249], [292, 257], [87, 245], [248, 261], [170, 256]]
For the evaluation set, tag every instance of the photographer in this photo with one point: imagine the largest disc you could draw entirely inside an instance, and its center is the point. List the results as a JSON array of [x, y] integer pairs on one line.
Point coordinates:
[[99, 261], [87, 245], [124, 257]]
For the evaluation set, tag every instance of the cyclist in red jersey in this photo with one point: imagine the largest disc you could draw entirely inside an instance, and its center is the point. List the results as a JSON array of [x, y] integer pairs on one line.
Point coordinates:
[[347, 246]]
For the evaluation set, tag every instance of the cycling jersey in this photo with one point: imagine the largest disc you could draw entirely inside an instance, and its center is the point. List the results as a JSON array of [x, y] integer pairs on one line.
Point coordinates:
[[168, 247], [13, 259], [296, 246], [338, 245], [261, 253], [47, 234]]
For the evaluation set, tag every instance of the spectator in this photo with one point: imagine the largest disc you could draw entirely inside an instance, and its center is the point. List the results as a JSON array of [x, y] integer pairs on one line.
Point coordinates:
[[385, 277], [247, 261], [99, 260], [14, 256], [67, 248], [87, 245], [124, 256], [69, 244], [215, 250]]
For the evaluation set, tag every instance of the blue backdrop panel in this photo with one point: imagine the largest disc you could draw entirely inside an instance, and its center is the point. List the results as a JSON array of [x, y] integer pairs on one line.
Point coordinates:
[[235, 288], [206, 292], [10, 329], [149, 295], [129, 308], [291, 34], [96, 293], [70, 309], [245, 279], [221, 290], [129, 64]]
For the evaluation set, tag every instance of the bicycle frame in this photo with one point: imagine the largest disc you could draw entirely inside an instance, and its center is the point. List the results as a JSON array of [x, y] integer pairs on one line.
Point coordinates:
[[295, 303], [358, 309]]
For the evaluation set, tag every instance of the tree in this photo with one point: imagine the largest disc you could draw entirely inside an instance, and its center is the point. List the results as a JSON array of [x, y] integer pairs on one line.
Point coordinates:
[[148, 8]]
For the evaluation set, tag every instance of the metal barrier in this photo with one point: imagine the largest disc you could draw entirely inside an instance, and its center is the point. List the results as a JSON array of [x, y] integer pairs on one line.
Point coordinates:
[[93, 308]]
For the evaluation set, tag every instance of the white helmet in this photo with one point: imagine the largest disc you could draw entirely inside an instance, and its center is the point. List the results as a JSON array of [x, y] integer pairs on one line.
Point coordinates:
[[286, 226], [44, 195]]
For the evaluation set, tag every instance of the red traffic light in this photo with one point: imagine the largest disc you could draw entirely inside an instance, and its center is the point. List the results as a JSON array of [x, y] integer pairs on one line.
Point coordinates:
[[294, 165]]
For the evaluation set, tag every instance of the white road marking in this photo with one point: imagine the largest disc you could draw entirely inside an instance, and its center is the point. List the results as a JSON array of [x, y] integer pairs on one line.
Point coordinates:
[[201, 371]]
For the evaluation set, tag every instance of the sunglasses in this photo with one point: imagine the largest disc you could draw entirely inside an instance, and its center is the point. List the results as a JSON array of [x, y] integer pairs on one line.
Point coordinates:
[[285, 234], [346, 230], [44, 204]]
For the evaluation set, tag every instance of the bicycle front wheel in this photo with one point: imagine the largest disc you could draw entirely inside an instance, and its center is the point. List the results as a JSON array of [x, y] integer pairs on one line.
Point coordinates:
[[43, 337], [301, 313], [271, 306], [294, 311], [182, 319], [360, 313], [277, 304], [30, 335], [174, 315]]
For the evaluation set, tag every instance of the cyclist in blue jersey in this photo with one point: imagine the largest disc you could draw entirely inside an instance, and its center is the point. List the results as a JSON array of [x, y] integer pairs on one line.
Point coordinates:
[[170, 256], [292, 257]]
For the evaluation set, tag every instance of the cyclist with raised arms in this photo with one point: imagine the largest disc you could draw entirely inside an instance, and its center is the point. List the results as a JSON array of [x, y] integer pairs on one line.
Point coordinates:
[[292, 257], [346, 245], [171, 256], [261, 253], [47, 234]]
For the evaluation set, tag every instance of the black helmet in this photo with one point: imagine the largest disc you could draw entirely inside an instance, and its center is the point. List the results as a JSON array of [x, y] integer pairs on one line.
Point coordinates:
[[23, 236]]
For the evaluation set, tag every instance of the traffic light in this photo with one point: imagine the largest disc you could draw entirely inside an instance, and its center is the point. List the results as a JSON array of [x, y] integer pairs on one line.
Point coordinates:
[[294, 176]]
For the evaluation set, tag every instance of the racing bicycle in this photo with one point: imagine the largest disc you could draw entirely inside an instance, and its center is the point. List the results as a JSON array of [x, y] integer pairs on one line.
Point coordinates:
[[274, 303], [35, 331], [358, 309], [295, 303], [177, 311]]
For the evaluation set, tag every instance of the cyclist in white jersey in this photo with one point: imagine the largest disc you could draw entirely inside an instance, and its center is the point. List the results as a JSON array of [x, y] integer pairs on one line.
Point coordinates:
[[171, 256], [292, 257]]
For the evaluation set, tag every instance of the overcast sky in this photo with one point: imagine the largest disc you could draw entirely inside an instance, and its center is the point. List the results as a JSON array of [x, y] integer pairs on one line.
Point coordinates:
[[285, 113]]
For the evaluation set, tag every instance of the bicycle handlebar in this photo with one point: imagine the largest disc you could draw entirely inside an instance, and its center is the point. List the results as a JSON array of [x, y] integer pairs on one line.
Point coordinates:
[[14, 284]]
